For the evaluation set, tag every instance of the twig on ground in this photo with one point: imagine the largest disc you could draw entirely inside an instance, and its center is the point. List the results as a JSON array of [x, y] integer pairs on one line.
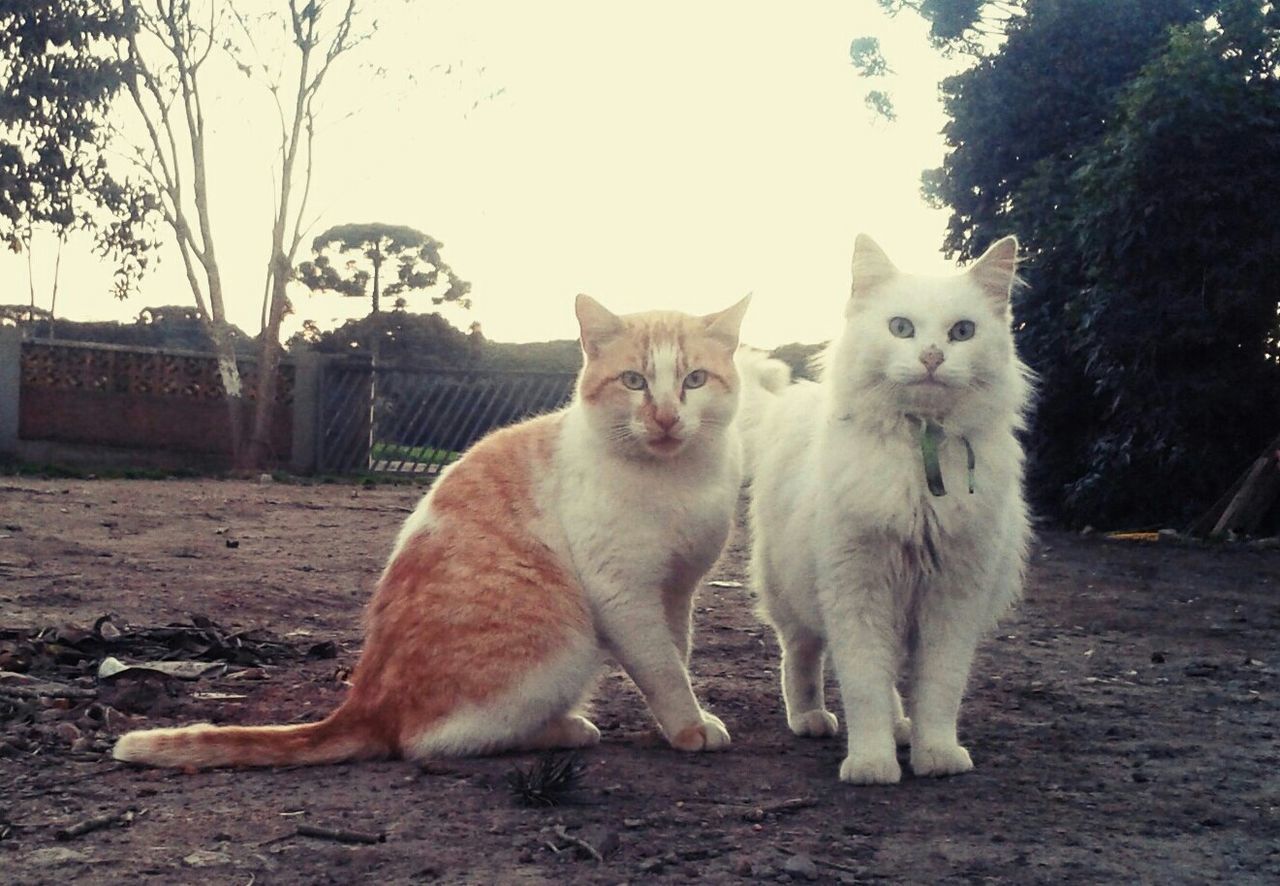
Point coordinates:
[[340, 835], [837, 866], [777, 808], [97, 823], [790, 805], [582, 844], [47, 692]]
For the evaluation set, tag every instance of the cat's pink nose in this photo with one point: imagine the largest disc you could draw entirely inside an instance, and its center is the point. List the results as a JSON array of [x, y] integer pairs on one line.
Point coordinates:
[[932, 358], [665, 420]]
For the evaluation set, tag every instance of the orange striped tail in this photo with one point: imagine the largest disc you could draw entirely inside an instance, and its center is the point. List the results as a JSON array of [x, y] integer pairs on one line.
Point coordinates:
[[203, 746]]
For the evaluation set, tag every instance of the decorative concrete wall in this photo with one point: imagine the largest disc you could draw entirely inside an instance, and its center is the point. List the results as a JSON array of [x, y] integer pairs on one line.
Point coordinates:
[[97, 404]]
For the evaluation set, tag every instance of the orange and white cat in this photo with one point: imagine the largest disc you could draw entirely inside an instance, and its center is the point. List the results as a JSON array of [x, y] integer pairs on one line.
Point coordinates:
[[547, 546]]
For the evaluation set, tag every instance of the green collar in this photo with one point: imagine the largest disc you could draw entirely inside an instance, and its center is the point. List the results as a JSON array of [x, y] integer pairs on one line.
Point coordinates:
[[931, 437]]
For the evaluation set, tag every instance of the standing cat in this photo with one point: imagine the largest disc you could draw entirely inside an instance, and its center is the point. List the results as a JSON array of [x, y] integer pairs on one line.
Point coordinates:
[[548, 544], [887, 510]]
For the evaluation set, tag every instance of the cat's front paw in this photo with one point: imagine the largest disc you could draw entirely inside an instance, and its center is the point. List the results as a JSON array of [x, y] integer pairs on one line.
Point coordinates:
[[868, 768], [940, 760], [709, 735], [817, 723], [902, 731]]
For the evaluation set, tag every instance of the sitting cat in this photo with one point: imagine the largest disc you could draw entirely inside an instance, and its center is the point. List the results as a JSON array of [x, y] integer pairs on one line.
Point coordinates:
[[887, 509], [548, 544]]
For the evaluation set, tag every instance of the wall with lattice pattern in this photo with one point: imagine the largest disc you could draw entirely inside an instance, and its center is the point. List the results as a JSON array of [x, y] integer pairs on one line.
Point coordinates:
[[139, 398]]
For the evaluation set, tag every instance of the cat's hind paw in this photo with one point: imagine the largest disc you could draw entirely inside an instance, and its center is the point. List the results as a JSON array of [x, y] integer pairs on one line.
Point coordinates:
[[939, 760], [870, 769], [709, 735], [817, 723], [571, 731], [579, 732]]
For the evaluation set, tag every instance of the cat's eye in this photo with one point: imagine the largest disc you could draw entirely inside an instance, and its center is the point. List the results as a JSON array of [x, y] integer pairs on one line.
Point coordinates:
[[902, 327], [962, 331], [695, 379], [632, 381]]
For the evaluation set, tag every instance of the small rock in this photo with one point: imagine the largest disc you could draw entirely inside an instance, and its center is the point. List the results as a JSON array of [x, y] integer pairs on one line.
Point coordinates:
[[109, 631], [633, 822], [206, 858], [801, 866], [327, 649], [652, 865], [233, 543], [67, 731], [264, 479]]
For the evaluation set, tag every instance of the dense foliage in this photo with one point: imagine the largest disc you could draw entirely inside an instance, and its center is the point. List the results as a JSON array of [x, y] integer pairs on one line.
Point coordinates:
[[429, 340], [1132, 145], [169, 327], [60, 70]]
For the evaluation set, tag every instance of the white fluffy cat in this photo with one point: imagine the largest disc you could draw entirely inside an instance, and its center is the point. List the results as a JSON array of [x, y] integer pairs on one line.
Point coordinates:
[[887, 509]]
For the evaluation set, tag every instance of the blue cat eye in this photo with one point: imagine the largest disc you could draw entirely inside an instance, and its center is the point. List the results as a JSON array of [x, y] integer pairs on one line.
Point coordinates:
[[902, 327], [962, 330], [633, 381], [695, 379]]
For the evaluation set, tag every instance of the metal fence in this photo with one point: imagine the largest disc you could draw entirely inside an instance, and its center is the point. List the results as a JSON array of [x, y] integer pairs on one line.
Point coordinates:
[[406, 420]]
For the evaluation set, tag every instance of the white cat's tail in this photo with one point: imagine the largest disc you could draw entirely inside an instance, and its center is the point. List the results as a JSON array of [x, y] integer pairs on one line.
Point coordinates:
[[763, 378]]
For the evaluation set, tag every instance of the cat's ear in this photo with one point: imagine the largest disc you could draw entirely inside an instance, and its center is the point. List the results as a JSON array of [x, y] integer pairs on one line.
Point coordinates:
[[996, 271], [725, 325], [597, 323], [871, 266]]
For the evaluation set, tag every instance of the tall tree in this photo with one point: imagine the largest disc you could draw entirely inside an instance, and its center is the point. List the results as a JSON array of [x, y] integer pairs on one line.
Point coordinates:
[[319, 34], [1175, 213], [372, 245], [61, 72], [166, 51], [1126, 143], [291, 50]]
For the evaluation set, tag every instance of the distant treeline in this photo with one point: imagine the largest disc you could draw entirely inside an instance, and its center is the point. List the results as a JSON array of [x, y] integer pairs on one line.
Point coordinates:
[[427, 340], [175, 327]]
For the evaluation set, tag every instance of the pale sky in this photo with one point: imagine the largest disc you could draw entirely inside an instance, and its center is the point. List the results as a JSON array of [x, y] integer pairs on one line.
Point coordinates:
[[664, 155]]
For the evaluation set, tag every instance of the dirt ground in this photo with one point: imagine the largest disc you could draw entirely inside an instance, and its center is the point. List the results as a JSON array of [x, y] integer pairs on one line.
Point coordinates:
[[1123, 721]]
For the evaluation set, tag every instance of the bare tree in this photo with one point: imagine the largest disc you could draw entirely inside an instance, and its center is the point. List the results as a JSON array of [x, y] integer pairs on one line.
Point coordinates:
[[165, 54], [318, 41], [175, 39]]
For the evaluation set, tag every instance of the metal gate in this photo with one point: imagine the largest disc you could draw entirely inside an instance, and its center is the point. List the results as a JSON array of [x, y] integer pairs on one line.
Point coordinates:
[[406, 420]]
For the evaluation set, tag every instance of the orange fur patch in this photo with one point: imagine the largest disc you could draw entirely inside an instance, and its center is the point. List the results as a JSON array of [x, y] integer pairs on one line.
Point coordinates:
[[474, 603], [632, 350], [470, 605]]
